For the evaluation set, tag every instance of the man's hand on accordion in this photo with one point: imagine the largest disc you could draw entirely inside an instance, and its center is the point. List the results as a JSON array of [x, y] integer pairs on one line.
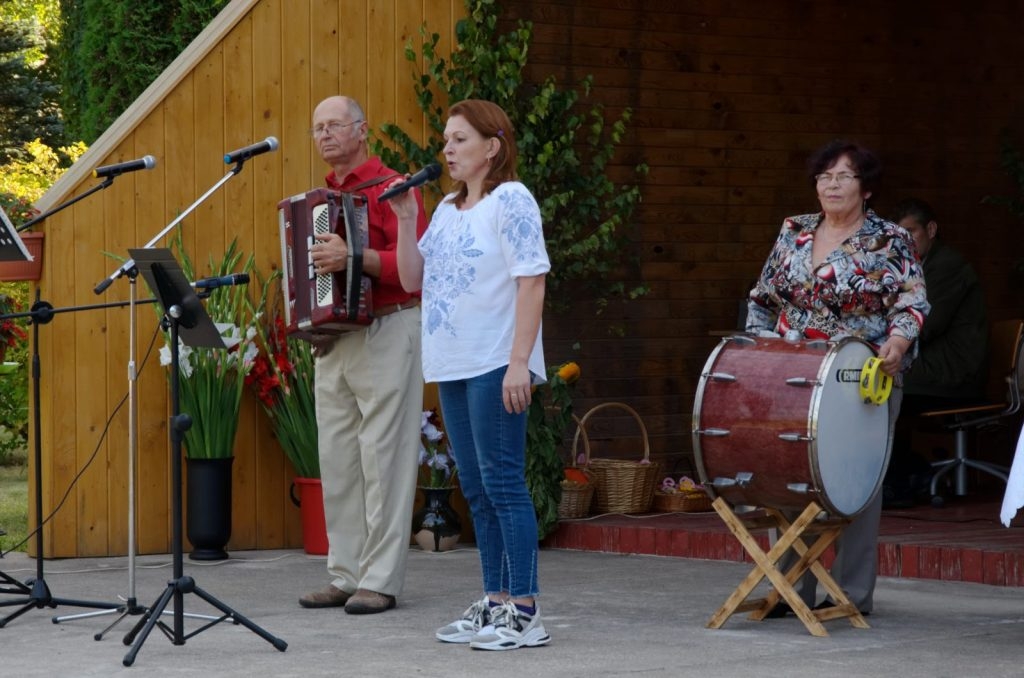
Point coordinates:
[[329, 254]]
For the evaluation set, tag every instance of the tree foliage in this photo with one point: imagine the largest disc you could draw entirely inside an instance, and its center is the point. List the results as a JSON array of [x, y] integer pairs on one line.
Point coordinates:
[[28, 95], [113, 49], [564, 146]]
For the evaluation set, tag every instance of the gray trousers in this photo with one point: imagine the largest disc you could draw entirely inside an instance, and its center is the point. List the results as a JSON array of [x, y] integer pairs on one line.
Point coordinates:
[[855, 568]]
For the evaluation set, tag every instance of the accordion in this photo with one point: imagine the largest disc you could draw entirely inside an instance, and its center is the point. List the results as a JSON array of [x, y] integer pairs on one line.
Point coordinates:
[[331, 303]]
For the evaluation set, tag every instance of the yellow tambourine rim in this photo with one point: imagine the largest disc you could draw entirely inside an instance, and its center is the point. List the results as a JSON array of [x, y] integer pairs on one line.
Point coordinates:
[[875, 385]]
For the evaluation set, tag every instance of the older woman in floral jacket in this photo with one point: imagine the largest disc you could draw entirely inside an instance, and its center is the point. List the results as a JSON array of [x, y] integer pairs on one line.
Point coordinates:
[[845, 272]]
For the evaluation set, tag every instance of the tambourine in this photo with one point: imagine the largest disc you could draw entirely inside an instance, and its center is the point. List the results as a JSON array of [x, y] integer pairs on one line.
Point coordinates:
[[875, 385]]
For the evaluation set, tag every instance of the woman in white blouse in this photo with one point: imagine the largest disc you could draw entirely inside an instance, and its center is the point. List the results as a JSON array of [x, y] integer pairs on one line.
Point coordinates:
[[481, 265]]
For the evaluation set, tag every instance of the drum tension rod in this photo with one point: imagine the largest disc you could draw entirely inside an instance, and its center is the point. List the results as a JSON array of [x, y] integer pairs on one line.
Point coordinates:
[[742, 479]]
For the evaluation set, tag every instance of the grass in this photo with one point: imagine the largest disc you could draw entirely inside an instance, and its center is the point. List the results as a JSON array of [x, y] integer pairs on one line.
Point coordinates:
[[13, 505]]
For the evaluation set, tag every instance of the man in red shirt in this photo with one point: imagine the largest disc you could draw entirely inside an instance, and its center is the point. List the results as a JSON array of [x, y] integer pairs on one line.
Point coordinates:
[[369, 388]]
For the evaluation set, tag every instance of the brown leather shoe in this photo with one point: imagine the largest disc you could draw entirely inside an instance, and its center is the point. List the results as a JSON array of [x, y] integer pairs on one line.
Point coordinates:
[[364, 601], [331, 596]]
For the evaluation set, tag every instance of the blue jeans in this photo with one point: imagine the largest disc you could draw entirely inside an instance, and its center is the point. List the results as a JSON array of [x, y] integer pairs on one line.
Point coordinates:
[[489, 446]]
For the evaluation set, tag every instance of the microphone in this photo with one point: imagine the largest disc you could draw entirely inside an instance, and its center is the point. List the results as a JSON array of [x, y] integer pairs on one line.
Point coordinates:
[[243, 154], [148, 162], [428, 173], [221, 281]]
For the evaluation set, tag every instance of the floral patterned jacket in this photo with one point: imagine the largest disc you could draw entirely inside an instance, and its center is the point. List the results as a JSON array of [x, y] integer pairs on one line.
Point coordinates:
[[870, 287]]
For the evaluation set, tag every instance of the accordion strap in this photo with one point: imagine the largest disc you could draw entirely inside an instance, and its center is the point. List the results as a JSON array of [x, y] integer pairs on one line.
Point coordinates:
[[372, 182]]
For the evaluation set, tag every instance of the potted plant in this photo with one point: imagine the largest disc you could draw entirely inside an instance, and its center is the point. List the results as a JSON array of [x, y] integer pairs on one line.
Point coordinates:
[[210, 392], [548, 418], [282, 378], [436, 526]]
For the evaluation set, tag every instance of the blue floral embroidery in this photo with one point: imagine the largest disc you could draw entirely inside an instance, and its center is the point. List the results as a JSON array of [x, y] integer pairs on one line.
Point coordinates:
[[455, 275], [521, 225]]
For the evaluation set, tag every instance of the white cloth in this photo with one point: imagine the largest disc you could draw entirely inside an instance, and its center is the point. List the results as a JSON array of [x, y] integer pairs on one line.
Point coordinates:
[[1014, 497], [472, 258]]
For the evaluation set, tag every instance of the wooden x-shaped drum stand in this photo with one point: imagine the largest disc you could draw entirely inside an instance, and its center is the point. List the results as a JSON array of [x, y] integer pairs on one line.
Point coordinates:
[[790, 536]]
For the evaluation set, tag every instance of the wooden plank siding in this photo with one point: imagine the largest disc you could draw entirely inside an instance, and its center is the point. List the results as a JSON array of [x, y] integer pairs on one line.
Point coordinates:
[[257, 71], [729, 98]]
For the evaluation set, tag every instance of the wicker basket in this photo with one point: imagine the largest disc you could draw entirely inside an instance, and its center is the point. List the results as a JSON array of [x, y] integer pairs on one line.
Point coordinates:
[[623, 486], [577, 497], [686, 502]]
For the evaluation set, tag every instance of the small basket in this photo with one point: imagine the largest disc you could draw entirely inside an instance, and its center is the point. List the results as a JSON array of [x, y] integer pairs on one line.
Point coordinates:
[[623, 486], [577, 497], [685, 502]]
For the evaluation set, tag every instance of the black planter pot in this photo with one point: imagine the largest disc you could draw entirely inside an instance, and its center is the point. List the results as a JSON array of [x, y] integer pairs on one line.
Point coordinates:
[[208, 507], [436, 526]]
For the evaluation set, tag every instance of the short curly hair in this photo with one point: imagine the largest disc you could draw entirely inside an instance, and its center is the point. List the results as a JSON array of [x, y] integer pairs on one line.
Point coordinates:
[[869, 167]]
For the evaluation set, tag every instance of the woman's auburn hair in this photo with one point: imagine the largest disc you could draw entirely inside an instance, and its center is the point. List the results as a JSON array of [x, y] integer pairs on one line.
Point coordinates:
[[490, 121]]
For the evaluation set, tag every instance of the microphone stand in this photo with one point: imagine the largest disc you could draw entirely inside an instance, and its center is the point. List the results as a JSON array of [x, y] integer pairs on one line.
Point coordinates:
[[181, 309], [32, 222], [130, 264], [38, 594], [130, 606]]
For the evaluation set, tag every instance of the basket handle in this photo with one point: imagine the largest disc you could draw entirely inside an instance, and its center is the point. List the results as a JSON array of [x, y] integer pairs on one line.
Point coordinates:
[[580, 432], [623, 406]]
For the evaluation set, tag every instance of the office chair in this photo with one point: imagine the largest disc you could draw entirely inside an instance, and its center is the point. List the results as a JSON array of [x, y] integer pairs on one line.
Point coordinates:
[[1005, 381]]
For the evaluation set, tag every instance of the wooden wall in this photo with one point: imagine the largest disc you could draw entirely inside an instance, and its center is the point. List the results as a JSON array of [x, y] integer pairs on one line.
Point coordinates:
[[729, 99], [261, 75]]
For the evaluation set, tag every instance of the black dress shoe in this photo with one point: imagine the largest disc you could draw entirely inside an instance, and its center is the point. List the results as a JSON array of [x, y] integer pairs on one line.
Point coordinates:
[[779, 611]]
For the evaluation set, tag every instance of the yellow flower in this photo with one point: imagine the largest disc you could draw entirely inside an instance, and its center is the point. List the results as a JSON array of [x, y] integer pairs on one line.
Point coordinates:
[[569, 372]]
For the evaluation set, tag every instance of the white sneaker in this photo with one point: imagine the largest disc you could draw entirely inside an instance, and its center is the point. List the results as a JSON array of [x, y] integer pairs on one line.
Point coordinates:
[[476, 616], [510, 629]]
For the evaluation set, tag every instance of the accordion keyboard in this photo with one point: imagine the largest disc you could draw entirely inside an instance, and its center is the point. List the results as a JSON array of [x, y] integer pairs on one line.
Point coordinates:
[[324, 283]]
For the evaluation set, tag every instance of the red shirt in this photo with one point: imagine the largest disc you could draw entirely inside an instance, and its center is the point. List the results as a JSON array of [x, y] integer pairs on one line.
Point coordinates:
[[383, 226]]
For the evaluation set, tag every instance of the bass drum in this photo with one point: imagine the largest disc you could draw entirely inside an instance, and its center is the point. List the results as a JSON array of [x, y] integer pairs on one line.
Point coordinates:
[[780, 424]]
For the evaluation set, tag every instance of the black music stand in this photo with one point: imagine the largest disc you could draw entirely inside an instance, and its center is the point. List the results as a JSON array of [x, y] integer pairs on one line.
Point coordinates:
[[186, 318], [12, 248]]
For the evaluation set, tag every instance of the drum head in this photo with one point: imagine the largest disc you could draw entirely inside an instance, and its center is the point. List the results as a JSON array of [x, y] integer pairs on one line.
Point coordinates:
[[850, 437]]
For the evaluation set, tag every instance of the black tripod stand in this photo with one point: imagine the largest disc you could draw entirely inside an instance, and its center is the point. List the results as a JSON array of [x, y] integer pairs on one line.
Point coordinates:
[[36, 591], [38, 594], [182, 311]]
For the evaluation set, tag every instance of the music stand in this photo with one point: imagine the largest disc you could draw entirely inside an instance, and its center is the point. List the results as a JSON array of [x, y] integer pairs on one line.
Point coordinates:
[[12, 248], [186, 319]]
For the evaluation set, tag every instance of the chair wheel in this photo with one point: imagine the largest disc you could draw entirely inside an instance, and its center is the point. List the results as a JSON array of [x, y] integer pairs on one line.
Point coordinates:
[[938, 501]]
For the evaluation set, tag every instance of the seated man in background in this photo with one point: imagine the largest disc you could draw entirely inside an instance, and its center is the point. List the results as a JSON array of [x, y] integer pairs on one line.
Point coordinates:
[[951, 368]]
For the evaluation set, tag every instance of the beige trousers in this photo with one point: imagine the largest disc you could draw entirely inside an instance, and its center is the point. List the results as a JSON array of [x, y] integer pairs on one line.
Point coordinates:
[[369, 400]]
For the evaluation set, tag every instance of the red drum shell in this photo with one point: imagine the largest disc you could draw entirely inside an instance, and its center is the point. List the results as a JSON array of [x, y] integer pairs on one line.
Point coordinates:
[[780, 424]]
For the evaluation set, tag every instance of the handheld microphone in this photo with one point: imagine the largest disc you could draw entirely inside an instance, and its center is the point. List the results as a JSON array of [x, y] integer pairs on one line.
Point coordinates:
[[243, 154], [428, 173], [148, 162], [221, 281]]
